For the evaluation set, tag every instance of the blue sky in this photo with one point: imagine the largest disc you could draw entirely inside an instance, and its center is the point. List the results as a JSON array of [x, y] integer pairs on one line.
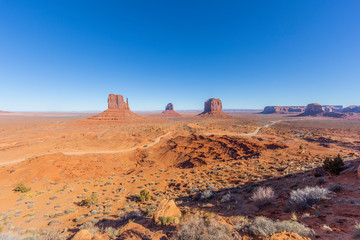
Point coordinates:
[[69, 55]]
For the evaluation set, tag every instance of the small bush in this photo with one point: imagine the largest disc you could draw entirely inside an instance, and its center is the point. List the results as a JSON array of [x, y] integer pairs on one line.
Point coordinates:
[[263, 196], [89, 201], [196, 227], [144, 195], [9, 236], [357, 230], [265, 227], [207, 194], [20, 187], [333, 165], [239, 222], [306, 197]]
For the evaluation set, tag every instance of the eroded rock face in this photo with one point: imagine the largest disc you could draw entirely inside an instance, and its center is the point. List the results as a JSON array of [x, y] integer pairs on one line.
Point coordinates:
[[213, 108], [170, 106], [117, 102], [82, 235], [313, 109], [353, 109], [213, 105]]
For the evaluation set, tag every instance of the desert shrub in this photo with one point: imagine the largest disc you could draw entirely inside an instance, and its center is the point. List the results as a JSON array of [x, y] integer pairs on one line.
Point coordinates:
[[144, 195], [112, 232], [306, 197], [166, 220], [333, 165], [239, 222], [196, 227], [89, 201], [131, 215], [207, 194], [265, 227], [357, 230], [263, 196], [9, 236], [20, 187], [335, 188]]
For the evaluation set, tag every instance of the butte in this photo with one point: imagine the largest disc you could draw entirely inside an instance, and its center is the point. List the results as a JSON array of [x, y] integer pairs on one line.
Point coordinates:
[[169, 111], [213, 109]]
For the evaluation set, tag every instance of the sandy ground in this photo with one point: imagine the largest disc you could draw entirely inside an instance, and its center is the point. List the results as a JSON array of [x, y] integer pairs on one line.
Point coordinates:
[[63, 159]]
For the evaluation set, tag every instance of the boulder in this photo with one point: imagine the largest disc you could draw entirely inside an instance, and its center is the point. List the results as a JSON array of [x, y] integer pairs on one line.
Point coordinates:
[[82, 235], [167, 208], [313, 109], [134, 231], [213, 108]]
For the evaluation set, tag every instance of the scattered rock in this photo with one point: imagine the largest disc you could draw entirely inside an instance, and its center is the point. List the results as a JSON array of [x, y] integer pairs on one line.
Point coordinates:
[[134, 231]]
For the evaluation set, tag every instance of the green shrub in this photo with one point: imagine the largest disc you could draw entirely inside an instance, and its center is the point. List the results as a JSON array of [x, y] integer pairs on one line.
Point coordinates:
[[333, 165], [89, 201], [20, 187], [144, 195]]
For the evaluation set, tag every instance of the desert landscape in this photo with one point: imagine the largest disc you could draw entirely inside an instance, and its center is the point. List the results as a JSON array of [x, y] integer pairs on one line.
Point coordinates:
[[120, 175]]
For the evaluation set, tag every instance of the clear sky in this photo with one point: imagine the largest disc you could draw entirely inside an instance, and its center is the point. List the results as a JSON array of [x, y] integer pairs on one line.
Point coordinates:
[[64, 55]]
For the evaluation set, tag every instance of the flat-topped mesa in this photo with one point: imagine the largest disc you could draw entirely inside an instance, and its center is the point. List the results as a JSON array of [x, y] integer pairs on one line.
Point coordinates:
[[118, 111], [117, 102], [169, 111], [283, 109], [213, 108], [314, 109]]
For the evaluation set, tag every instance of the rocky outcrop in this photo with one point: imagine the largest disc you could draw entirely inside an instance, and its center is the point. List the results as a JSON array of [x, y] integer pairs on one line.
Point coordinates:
[[213, 108], [167, 209], [169, 111], [283, 109], [313, 109], [82, 235], [134, 231], [117, 111]]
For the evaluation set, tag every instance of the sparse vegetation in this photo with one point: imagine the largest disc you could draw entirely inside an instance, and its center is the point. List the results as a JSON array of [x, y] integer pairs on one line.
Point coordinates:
[[20, 187], [144, 195], [89, 201], [306, 197], [333, 165], [263, 226], [263, 196], [196, 227]]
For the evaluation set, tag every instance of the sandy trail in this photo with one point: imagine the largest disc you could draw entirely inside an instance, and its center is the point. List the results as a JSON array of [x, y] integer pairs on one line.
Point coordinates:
[[156, 141], [245, 134]]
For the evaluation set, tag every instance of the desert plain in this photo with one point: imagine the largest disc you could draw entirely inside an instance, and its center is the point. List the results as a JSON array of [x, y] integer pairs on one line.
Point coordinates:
[[207, 166]]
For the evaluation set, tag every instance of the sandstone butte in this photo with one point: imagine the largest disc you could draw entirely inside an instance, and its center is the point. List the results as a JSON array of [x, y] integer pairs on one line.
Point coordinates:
[[313, 109], [118, 110], [169, 111], [213, 109]]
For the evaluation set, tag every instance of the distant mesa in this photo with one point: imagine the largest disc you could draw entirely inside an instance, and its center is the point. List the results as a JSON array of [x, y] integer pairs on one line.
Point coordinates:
[[170, 112], [283, 109], [118, 110], [352, 109], [213, 109]]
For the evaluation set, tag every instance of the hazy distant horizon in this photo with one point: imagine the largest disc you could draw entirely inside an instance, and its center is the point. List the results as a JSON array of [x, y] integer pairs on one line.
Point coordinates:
[[69, 55]]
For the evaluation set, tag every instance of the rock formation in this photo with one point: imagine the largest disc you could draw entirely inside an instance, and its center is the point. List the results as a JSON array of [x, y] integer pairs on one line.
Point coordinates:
[[167, 208], [213, 108], [169, 111], [135, 231], [352, 109], [118, 110], [283, 109], [313, 109]]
